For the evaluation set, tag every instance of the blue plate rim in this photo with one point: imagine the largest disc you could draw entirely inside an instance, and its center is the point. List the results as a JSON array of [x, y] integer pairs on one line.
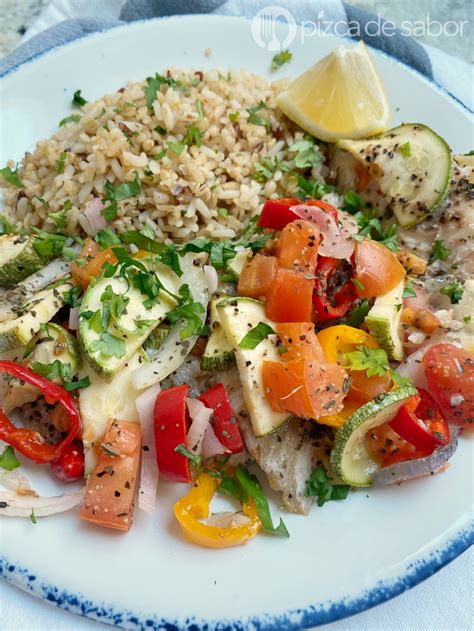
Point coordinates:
[[381, 592]]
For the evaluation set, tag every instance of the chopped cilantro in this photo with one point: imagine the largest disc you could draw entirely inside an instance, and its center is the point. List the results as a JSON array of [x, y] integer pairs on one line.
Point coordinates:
[[358, 284], [11, 177], [33, 517], [467, 319], [109, 346], [192, 313], [161, 130], [154, 84], [405, 150], [409, 290], [256, 119], [73, 296], [195, 459], [109, 213], [106, 238], [439, 252], [8, 459], [373, 361], [76, 385], [319, 485], [307, 153], [312, 188], [352, 202], [176, 147], [74, 118], [5, 226], [161, 154], [47, 244], [123, 191], [55, 371], [357, 315], [233, 116], [231, 486], [371, 226], [454, 291], [281, 58], [200, 109], [264, 170], [256, 335], [67, 204], [78, 99], [223, 212], [193, 136], [59, 219]]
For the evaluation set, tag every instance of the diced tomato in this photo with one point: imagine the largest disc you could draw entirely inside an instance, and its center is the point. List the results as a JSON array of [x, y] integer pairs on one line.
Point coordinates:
[[377, 269], [289, 299], [450, 375], [298, 246], [303, 387], [257, 276], [363, 388], [276, 213], [299, 341], [110, 490], [331, 302], [83, 274]]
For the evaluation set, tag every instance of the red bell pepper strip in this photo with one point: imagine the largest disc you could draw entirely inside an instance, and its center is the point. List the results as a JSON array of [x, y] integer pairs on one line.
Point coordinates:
[[224, 423], [327, 307], [277, 213], [171, 426], [26, 441], [420, 422]]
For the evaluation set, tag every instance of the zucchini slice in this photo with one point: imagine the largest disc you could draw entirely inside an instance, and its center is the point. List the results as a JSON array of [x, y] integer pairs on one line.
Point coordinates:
[[236, 265], [18, 331], [238, 316], [351, 459], [108, 349], [18, 259], [412, 166], [383, 322], [218, 354]]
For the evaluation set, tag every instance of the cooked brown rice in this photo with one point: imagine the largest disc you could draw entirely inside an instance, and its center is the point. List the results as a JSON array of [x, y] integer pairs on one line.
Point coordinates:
[[182, 196]]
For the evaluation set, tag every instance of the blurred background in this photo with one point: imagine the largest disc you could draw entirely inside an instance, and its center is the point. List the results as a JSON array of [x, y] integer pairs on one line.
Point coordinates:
[[17, 15]]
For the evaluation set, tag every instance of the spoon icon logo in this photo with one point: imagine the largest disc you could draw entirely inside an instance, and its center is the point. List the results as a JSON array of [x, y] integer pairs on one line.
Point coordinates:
[[264, 32]]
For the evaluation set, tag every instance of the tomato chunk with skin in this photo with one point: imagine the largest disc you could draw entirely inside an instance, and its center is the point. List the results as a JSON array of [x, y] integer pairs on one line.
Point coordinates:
[[306, 388], [110, 490], [297, 246], [378, 270], [257, 276], [289, 299], [450, 376], [299, 341]]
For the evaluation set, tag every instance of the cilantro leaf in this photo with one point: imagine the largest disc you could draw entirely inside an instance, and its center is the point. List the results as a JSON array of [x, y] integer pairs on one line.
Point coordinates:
[[47, 244], [352, 202], [109, 346], [231, 486], [193, 137], [439, 252], [5, 226], [200, 109], [192, 314], [256, 119], [252, 487], [11, 177], [55, 371], [233, 116], [73, 297], [307, 153], [373, 361], [312, 188], [8, 459], [106, 238], [281, 58], [76, 385], [176, 147], [123, 191], [154, 84], [59, 219], [61, 162], [319, 485], [454, 291], [33, 517], [256, 335], [74, 118], [409, 291], [357, 315], [78, 99]]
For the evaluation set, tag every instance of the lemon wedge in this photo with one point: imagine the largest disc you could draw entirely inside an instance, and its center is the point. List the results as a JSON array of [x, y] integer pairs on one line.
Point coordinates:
[[341, 96]]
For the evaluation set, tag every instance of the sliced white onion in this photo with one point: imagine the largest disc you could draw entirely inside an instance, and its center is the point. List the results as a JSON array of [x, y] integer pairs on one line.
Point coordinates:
[[336, 242], [92, 219], [13, 505], [211, 445], [212, 278], [74, 318], [16, 481], [149, 470], [226, 520], [200, 417], [417, 337], [174, 350], [412, 469]]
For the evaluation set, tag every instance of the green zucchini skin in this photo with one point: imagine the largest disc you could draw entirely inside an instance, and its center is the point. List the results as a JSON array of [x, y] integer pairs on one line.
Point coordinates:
[[18, 259]]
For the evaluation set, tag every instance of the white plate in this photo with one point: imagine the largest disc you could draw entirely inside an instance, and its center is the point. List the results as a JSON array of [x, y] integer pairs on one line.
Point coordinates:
[[345, 557]]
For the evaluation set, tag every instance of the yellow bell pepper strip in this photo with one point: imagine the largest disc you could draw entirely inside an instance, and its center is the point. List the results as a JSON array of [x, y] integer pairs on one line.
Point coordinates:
[[194, 507], [341, 339]]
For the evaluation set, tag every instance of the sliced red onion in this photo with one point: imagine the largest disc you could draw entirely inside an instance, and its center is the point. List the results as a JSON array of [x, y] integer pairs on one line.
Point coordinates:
[[211, 445], [212, 278], [16, 481], [74, 318], [13, 505], [200, 417], [145, 404], [412, 469], [92, 219], [336, 242]]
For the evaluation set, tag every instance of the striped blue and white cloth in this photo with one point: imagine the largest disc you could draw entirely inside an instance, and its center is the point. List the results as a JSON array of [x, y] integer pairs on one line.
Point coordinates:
[[65, 20]]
